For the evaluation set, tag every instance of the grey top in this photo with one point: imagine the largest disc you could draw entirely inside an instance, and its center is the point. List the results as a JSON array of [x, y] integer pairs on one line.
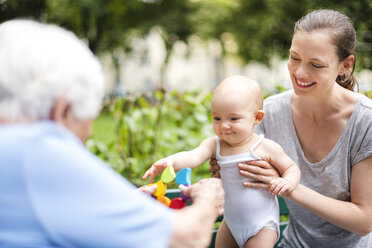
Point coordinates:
[[330, 176]]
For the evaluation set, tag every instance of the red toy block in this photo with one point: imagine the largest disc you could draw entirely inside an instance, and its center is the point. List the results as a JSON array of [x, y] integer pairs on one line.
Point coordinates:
[[177, 203]]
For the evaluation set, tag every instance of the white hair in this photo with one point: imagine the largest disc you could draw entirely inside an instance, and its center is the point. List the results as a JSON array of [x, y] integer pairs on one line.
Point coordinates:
[[40, 63]]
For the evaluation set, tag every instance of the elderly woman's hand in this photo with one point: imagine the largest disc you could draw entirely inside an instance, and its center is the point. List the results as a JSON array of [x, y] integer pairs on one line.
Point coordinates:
[[147, 189], [260, 171], [208, 190]]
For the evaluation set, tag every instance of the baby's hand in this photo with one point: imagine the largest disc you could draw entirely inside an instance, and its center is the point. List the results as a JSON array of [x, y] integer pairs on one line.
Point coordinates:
[[280, 186], [157, 168]]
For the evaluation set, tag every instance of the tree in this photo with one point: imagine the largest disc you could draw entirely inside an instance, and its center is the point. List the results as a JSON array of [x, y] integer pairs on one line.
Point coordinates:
[[107, 26], [29, 9], [263, 28], [174, 20], [260, 28]]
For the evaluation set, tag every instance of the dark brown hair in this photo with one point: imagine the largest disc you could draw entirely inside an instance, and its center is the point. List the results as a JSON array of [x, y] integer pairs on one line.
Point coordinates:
[[342, 35]]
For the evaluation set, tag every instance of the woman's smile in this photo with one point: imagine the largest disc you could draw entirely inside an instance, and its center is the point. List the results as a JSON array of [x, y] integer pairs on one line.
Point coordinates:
[[303, 84]]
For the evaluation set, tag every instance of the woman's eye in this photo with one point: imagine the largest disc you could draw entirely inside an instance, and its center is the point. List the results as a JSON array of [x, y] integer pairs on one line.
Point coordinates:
[[295, 59], [318, 66]]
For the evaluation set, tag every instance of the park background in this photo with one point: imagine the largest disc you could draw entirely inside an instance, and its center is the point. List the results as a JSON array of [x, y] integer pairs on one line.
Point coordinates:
[[162, 59]]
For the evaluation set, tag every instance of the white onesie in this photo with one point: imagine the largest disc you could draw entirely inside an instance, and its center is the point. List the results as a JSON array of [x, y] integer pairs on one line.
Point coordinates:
[[247, 210]]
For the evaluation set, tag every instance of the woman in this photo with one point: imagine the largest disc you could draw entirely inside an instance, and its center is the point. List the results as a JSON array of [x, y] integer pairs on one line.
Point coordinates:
[[53, 192], [326, 129]]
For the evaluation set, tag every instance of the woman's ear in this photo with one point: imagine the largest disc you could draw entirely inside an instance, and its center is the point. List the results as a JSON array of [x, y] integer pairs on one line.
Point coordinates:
[[60, 110], [259, 116], [347, 64], [62, 114]]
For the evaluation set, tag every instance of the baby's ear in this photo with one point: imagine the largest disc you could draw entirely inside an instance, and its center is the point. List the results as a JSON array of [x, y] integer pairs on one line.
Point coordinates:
[[259, 116]]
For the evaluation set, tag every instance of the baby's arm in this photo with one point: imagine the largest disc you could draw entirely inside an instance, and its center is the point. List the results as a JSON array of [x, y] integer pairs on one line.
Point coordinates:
[[180, 160], [289, 171]]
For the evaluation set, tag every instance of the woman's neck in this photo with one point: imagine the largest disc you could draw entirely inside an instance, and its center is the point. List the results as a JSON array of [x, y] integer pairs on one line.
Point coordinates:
[[323, 106]]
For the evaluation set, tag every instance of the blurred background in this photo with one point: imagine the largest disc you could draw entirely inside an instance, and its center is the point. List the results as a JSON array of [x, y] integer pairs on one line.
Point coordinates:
[[162, 59]]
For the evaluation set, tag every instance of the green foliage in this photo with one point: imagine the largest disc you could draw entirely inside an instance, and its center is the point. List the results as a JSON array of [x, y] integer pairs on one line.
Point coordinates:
[[368, 93], [10, 9], [263, 28], [105, 25], [149, 127], [260, 28]]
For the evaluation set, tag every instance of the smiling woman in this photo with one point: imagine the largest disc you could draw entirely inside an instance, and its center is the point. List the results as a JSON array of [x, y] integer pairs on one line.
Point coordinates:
[[325, 128], [317, 56]]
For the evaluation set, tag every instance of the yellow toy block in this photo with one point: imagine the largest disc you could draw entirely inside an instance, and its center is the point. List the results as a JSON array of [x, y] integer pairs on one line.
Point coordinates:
[[168, 174], [160, 190]]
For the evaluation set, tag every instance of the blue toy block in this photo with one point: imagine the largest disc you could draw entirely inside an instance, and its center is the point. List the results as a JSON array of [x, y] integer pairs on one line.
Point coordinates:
[[183, 177]]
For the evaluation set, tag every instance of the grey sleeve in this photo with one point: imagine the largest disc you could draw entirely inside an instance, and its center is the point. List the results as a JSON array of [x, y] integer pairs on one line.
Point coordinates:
[[363, 145], [362, 133]]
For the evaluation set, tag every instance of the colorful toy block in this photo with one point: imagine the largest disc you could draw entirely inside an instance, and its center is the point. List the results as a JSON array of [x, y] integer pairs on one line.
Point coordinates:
[[177, 203], [184, 197], [163, 199], [161, 189], [168, 174], [183, 177]]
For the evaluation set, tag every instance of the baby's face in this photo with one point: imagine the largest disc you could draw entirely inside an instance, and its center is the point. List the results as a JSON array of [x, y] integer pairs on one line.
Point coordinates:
[[233, 119]]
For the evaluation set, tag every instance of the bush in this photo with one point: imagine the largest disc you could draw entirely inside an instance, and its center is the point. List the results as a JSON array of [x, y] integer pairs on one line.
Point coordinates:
[[149, 127]]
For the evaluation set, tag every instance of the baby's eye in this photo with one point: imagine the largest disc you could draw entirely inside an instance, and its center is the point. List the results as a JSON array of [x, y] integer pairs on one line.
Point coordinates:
[[216, 118], [234, 118]]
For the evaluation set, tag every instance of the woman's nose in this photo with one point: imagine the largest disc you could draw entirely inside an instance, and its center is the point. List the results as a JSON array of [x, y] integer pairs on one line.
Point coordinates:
[[301, 71]]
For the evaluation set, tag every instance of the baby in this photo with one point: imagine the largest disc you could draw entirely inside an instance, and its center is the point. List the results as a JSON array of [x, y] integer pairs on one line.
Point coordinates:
[[251, 217]]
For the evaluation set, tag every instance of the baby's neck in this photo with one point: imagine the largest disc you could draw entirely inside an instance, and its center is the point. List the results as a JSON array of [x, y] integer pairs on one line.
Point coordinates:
[[245, 145]]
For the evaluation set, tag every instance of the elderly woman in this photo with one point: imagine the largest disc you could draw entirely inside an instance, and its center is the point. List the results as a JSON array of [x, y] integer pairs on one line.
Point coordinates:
[[53, 192]]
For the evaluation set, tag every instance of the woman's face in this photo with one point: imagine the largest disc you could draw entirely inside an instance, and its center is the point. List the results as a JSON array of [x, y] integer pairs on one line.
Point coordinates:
[[313, 63]]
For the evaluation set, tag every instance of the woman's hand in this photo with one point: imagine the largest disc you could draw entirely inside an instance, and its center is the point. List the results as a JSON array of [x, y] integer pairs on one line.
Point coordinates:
[[150, 190], [193, 224], [214, 168], [260, 171], [208, 190]]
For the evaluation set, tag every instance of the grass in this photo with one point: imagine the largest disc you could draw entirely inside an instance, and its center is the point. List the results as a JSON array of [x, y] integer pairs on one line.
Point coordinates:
[[104, 128]]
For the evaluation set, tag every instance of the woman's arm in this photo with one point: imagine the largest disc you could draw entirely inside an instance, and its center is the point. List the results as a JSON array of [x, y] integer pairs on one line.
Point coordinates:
[[354, 216], [194, 224]]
